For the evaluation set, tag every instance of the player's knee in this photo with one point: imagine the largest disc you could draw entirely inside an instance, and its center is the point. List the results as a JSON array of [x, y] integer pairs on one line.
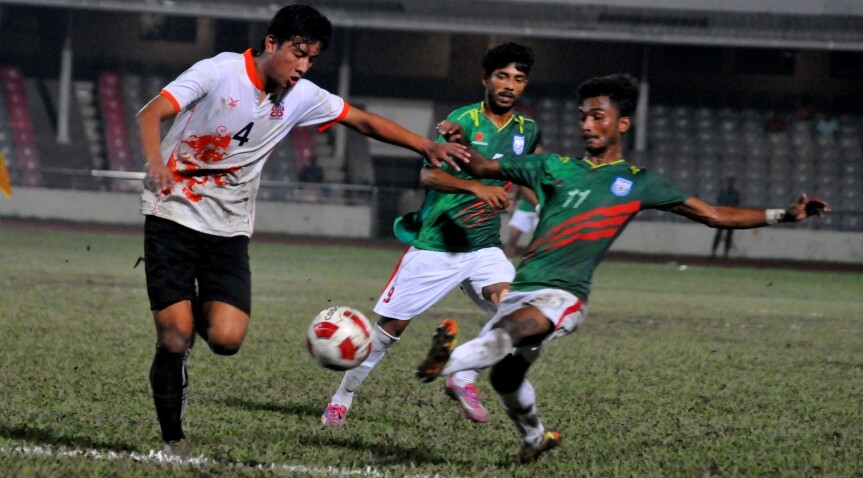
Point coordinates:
[[222, 347], [225, 343], [174, 341]]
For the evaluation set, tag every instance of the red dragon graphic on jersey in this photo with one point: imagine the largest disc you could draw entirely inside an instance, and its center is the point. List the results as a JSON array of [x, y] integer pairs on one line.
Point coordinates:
[[186, 159]]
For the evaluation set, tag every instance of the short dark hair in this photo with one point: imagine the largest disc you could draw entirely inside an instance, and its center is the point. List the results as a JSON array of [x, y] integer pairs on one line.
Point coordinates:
[[504, 54], [621, 90], [300, 21]]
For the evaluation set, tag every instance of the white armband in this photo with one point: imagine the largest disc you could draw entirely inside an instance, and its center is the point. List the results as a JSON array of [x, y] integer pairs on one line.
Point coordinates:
[[772, 216]]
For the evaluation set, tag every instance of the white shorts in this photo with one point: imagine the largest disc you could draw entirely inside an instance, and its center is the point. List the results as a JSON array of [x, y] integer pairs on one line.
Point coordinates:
[[524, 221], [422, 278], [566, 311]]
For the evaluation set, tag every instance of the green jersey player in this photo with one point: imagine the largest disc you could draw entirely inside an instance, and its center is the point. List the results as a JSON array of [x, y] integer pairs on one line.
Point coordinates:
[[454, 238], [585, 204]]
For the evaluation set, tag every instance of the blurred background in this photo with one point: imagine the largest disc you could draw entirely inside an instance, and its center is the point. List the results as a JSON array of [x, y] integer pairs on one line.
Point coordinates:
[[765, 91]]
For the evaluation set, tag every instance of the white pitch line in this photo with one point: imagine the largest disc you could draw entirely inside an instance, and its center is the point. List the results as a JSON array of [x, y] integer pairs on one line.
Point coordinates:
[[158, 457]]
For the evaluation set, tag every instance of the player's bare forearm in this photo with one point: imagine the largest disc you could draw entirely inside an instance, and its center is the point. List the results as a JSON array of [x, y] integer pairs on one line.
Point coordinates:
[[149, 121], [482, 167], [529, 195], [382, 129], [727, 217], [439, 180]]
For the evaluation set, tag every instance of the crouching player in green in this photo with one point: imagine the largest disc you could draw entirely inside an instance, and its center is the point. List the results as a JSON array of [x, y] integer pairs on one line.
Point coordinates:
[[586, 203]]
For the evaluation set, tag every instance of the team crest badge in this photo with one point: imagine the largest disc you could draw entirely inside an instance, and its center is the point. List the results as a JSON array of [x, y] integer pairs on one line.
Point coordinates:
[[518, 143], [621, 187]]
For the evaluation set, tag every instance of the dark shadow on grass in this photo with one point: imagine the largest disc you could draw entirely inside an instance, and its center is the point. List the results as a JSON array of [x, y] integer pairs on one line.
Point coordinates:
[[47, 436], [384, 453], [303, 410], [389, 453]]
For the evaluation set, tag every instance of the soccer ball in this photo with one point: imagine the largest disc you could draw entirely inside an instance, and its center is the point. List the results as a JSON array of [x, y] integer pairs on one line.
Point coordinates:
[[339, 338]]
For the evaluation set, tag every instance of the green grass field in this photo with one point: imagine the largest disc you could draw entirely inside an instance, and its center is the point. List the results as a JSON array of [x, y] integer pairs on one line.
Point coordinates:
[[707, 371]]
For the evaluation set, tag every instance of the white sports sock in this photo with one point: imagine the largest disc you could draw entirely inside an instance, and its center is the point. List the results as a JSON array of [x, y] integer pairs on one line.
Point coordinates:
[[479, 353], [355, 377], [467, 377], [521, 408]]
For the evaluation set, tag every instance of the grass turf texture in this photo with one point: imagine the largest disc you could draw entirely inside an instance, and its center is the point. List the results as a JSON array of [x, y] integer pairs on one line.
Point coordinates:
[[707, 371]]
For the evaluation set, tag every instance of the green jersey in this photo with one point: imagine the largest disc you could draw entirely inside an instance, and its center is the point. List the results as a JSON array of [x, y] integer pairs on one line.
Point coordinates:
[[584, 207], [459, 222]]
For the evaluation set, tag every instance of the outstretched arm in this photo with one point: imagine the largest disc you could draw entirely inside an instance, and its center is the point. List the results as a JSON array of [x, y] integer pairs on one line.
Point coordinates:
[[382, 129], [434, 178], [728, 217]]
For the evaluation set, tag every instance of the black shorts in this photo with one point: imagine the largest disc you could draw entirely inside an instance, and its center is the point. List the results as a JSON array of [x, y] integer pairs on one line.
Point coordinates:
[[176, 256]]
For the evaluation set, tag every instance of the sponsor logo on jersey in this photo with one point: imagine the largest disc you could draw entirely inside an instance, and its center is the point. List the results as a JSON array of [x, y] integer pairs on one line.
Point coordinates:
[[621, 187], [230, 103], [518, 143], [497, 156], [277, 111], [477, 139]]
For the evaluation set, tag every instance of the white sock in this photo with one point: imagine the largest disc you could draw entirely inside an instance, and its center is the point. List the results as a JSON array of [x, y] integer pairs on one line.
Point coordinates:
[[521, 408], [355, 377], [468, 377], [481, 352]]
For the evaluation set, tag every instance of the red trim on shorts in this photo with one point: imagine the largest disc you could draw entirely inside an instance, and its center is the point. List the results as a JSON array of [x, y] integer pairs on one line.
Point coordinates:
[[341, 116], [176, 104], [569, 310], [396, 269]]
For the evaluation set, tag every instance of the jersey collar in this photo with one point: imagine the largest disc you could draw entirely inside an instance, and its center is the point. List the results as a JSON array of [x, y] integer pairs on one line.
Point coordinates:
[[594, 166], [251, 71], [512, 117]]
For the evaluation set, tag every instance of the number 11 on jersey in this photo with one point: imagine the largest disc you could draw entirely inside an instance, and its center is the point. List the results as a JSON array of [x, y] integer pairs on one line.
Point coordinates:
[[576, 193]]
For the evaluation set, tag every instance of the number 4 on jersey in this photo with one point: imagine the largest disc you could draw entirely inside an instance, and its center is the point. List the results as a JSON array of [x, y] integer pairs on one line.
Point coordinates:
[[243, 135]]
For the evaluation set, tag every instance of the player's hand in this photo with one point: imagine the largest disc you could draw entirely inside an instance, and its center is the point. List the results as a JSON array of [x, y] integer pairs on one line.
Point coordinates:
[[439, 153], [452, 132], [160, 174], [806, 207], [496, 197]]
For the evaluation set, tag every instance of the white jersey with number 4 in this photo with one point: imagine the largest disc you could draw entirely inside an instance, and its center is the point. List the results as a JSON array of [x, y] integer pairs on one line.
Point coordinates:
[[221, 138]]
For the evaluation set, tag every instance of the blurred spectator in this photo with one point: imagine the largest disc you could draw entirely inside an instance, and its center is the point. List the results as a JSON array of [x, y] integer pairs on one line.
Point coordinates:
[[777, 123], [312, 173], [827, 125], [804, 110], [729, 196]]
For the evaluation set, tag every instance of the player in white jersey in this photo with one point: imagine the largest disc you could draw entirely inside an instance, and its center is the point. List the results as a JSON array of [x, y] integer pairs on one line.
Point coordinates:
[[229, 113]]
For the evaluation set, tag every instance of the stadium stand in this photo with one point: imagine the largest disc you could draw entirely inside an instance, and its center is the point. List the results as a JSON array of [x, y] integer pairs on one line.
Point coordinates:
[[113, 109], [696, 146], [26, 155]]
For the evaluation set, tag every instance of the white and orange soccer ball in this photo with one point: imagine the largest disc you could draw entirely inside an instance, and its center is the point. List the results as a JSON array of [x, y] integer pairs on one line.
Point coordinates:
[[339, 338]]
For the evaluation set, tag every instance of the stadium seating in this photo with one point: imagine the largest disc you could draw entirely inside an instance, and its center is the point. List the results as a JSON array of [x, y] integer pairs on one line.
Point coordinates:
[[113, 111], [699, 147], [696, 146], [24, 160]]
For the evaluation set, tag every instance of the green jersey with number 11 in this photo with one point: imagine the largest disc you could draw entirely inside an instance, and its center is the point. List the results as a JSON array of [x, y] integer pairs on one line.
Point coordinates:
[[584, 207], [459, 222]]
